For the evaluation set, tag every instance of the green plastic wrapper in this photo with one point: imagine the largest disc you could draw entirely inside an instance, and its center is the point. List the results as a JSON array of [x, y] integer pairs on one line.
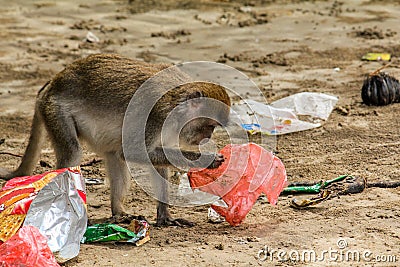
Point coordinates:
[[313, 188], [106, 232]]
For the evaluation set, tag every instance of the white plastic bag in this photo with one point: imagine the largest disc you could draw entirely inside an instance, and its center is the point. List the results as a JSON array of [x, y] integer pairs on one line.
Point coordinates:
[[281, 116], [316, 105]]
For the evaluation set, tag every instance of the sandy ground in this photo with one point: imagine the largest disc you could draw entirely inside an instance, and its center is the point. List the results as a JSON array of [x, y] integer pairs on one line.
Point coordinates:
[[285, 47]]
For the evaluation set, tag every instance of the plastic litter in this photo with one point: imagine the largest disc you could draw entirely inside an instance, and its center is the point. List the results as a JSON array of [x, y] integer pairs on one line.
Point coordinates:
[[93, 181], [111, 232], [316, 188], [304, 203], [27, 248], [195, 196], [376, 57], [53, 202], [281, 116], [214, 217], [248, 171], [336, 184], [92, 38], [342, 185], [59, 212], [16, 197]]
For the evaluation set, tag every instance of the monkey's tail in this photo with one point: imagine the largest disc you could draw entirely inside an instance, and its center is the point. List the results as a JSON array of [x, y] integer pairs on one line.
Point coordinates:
[[32, 152]]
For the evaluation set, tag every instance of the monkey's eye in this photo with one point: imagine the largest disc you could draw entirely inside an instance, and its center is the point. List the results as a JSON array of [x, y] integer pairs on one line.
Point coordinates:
[[209, 128]]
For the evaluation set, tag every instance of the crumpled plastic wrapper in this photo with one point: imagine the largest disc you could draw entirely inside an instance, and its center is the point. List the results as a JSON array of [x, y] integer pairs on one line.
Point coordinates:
[[214, 217], [248, 171], [137, 233], [16, 197], [59, 212], [53, 202]]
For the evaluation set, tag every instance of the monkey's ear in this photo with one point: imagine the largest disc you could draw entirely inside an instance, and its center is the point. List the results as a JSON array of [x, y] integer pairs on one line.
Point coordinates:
[[191, 101], [193, 95]]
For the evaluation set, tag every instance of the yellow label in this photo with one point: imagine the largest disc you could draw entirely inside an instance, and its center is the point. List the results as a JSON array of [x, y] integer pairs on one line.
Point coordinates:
[[376, 56]]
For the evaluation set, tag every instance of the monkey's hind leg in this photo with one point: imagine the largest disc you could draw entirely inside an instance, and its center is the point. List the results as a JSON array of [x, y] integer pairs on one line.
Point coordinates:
[[63, 134], [160, 185]]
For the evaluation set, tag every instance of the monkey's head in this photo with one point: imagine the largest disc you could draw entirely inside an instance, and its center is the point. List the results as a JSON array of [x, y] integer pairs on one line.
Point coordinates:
[[204, 107]]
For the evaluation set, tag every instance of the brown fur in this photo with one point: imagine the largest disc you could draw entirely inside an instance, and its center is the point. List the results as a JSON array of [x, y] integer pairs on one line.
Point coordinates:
[[87, 102]]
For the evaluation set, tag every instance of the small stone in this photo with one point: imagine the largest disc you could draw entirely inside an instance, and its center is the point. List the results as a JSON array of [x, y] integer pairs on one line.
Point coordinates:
[[253, 239], [219, 246]]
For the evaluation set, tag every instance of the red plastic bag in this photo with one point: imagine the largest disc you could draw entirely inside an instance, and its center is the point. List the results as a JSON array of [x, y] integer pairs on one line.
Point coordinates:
[[248, 171], [27, 248]]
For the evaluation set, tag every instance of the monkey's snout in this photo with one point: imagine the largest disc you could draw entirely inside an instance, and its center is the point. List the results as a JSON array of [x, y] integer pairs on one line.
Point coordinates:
[[199, 141], [204, 141]]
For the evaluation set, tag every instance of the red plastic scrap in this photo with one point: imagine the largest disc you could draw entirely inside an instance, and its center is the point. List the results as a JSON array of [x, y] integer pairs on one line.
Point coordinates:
[[27, 248], [248, 171]]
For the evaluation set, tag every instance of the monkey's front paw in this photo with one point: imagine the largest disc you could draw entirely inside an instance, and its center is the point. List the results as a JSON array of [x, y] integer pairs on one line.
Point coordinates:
[[168, 221], [218, 160]]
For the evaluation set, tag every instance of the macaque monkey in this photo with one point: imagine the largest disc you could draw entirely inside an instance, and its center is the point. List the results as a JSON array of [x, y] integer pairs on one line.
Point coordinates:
[[87, 102]]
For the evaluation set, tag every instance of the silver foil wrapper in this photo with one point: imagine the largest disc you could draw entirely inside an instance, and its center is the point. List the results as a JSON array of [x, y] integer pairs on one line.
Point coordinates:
[[60, 214]]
